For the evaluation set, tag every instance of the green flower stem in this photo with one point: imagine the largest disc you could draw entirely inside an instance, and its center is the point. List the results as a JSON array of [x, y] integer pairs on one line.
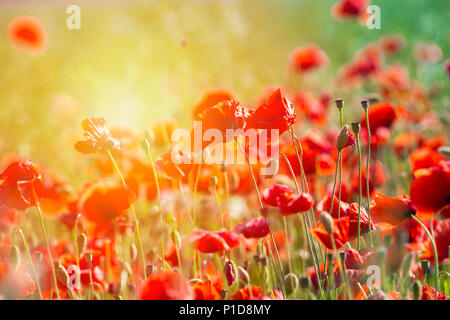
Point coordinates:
[[368, 174], [358, 146], [33, 269], [136, 221], [436, 258]]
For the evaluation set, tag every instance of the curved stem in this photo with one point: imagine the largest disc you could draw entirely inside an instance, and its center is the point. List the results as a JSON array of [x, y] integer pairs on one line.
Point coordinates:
[[136, 221], [41, 220], [33, 269], [358, 146], [436, 259], [334, 182]]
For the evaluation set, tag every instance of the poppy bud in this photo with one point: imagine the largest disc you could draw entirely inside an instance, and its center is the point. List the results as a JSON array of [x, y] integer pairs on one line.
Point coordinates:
[[256, 257], [264, 261], [133, 252], [327, 222], [194, 281], [234, 180], [14, 257], [88, 257], [246, 264], [61, 272], [81, 243], [118, 297], [356, 128], [304, 282], [265, 276], [176, 239], [425, 264], [230, 272], [244, 278], [290, 283], [345, 138], [149, 268], [213, 181], [365, 104], [417, 290], [339, 103]]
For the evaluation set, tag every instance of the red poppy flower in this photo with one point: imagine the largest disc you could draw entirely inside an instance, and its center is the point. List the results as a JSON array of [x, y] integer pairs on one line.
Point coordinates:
[[286, 200], [28, 33], [208, 241], [442, 240], [392, 44], [277, 113], [376, 178], [209, 100], [175, 162], [255, 228], [97, 136], [446, 66], [430, 189], [20, 185], [393, 79], [104, 201], [9, 218], [352, 212], [347, 9], [381, 114], [206, 290], [255, 293], [307, 58], [162, 285], [325, 205], [427, 52], [340, 233], [394, 211], [424, 158], [15, 283], [429, 293]]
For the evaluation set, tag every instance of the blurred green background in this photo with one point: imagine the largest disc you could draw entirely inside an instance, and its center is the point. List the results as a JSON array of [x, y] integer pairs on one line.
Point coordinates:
[[127, 62]]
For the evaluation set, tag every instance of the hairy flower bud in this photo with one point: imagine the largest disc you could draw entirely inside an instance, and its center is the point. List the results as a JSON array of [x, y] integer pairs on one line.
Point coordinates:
[[81, 243], [327, 222], [291, 283], [230, 271], [14, 256], [345, 138], [243, 276]]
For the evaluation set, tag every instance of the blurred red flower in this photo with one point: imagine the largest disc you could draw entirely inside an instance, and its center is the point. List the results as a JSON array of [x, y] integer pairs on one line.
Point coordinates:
[[97, 136], [307, 58], [255, 228], [162, 285], [28, 33]]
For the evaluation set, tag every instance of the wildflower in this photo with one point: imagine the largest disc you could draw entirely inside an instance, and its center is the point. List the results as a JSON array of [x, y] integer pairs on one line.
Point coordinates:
[[348, 9], [392, 44], [162, 285], [210, 99], [97, 137], [394, 211], [206, 290], [340, 229], [345, 139], [430, 189], [442, 239], [307, 58], [427, 52], [428, 293], [28, 33], [20, 185], [255, 228], [209, 242]]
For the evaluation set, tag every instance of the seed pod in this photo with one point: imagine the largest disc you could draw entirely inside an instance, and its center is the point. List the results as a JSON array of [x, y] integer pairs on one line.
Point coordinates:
[[339, 103], [133, 252], [230, 272], [14, 256], [290, 283], [356, 128], [304, 282], [417, 290], [176, 239], [343, 256], [88, 257], [327, 222], [61, 273], [81, 243], [244, 278], [365, 104]]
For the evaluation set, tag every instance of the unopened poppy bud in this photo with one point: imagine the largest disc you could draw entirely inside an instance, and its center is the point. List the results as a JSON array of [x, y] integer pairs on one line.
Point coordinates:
[[265, 276], [356, 128], [234, 180], [194, 281], [246, 264], [88, 257], [304, 282], [118, 297], [243, 276], [230, 272], [290, 283], [445, 150], [264, 261], [133, 252], [256, 257], [425, 264], [61, 273], [345, 138], [339, 103], [213, 181], [14, 257], [81, 243], [365, 104], [327, 222], [417, 290]]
